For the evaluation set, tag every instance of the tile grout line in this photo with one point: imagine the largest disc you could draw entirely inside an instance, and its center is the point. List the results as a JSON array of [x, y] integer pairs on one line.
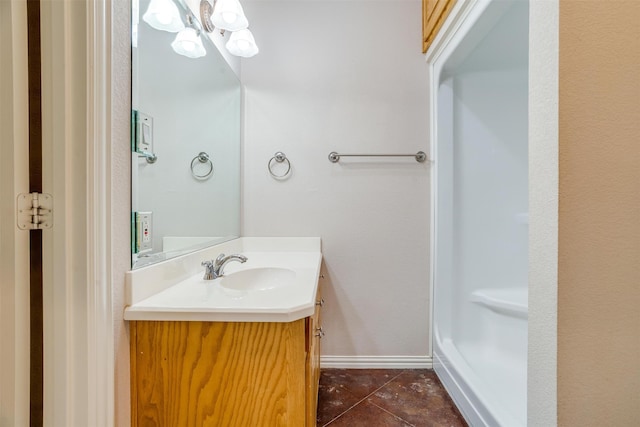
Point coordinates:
[[364, 398], [391, 413]]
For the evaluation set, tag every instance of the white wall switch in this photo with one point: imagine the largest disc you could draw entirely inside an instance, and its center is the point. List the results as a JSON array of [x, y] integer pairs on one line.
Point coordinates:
[[143, 138]]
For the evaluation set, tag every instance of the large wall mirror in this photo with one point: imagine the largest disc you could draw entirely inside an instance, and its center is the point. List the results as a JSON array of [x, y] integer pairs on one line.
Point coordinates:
[[185, 143]]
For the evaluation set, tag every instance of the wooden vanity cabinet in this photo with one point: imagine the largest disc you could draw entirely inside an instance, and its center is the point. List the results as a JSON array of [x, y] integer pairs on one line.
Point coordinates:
[[434, 13], [225, 373]]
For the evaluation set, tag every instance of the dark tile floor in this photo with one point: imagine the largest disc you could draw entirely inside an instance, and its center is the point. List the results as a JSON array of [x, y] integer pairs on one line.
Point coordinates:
[[385, 398]]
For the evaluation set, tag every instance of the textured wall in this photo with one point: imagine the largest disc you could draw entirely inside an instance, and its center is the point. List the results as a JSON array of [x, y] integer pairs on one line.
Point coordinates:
[[543, 213], [121, 200], [350, 77], [599, 215]]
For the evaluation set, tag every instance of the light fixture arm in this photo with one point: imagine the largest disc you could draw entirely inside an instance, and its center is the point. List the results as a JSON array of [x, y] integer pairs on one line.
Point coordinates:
[[206, 11], [193, 23]]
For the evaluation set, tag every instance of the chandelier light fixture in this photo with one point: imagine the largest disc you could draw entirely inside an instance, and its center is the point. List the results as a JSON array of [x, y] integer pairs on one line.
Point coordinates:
[[225, 15]]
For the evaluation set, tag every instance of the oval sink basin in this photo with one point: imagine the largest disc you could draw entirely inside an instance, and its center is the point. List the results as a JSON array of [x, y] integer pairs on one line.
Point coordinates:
[[259, 279]]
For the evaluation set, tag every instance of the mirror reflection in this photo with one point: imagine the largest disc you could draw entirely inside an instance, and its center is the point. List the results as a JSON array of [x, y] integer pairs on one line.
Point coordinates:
[[185, 140]]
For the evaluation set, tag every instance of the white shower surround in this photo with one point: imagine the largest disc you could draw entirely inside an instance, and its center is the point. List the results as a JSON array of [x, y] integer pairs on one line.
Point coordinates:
[[480, 217]]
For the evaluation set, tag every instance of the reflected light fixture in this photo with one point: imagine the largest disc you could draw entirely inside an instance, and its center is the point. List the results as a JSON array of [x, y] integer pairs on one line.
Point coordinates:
[[241, 43], [163, 15], [228, 15], [188, 42]]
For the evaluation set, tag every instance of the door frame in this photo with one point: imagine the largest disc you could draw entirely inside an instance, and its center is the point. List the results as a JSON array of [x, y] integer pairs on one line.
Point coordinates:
[[77, 156], [101, 340]]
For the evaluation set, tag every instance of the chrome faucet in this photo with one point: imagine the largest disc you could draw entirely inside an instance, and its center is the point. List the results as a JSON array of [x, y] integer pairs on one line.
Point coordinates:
[[214, 269]]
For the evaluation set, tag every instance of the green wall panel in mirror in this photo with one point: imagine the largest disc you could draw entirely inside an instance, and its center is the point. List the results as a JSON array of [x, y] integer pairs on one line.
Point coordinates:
[[192, 106]]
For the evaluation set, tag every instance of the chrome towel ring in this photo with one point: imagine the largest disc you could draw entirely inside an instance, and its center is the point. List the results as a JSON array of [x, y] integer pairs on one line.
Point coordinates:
[[203, 168], [277, 158]]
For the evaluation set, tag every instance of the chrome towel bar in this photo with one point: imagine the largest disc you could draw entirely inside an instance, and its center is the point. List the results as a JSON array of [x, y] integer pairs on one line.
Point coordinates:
[[420, 156]]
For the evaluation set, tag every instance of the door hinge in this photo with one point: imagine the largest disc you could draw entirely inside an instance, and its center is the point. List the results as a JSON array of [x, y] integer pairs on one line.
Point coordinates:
[[35, 211]]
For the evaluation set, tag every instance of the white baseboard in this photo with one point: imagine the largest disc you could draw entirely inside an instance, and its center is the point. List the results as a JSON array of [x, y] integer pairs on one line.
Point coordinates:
[[377, 362]]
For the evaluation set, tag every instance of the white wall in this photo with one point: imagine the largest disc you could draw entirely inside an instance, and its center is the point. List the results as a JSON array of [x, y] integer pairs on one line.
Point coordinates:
[[347, 76]]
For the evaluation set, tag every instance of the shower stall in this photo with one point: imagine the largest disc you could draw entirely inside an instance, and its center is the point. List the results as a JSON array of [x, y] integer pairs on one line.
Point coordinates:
[[480, 212]]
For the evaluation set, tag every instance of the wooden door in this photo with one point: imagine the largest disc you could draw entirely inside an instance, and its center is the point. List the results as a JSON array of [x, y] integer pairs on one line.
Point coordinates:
[[14, 243]]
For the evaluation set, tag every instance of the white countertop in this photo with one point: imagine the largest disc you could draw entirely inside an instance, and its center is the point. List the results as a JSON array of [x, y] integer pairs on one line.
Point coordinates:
[[174, 290]]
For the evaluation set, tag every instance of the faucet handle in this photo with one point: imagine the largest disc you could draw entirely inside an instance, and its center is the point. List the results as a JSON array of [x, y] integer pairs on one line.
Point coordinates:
[[219, 259], [209, 270]]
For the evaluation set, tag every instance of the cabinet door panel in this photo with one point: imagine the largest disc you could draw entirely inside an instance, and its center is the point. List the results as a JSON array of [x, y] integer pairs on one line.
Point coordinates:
[[217, 374], [434, 13], [428, 8], [313, 362]]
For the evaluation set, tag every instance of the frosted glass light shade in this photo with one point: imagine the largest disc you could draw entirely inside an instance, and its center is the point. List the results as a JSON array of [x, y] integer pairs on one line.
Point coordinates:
[[228, 15], [241, 43], [163, 15], [189, 44]]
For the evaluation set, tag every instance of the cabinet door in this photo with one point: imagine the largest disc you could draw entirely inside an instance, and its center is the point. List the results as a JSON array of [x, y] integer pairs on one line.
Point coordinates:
[[218, 374], [318, 334], [428, 6], [434, 13], [313, 362]]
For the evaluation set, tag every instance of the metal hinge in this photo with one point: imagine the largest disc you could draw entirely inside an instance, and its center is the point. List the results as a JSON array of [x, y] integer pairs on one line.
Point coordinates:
[[35, 211]]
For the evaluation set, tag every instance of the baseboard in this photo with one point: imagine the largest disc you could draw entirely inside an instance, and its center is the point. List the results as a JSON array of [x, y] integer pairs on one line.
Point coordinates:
[[377, 362]]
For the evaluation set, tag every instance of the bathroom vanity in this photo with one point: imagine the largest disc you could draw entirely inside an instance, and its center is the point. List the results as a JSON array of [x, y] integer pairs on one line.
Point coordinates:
[[241, 350]]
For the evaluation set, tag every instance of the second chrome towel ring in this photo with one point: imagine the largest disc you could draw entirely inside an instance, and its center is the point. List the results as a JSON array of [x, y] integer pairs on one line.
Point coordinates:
[[278, 158], [201, 166]]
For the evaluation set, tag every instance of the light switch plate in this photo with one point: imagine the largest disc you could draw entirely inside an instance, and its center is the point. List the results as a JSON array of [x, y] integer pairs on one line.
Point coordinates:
[[143, 142]]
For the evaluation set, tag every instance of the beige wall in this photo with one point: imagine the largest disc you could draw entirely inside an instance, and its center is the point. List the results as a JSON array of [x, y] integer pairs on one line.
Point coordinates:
[[599, 214]]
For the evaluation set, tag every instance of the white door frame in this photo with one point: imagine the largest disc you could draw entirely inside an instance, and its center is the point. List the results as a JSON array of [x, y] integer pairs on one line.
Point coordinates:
[[542, 357], [79, 328], [100, 346]]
